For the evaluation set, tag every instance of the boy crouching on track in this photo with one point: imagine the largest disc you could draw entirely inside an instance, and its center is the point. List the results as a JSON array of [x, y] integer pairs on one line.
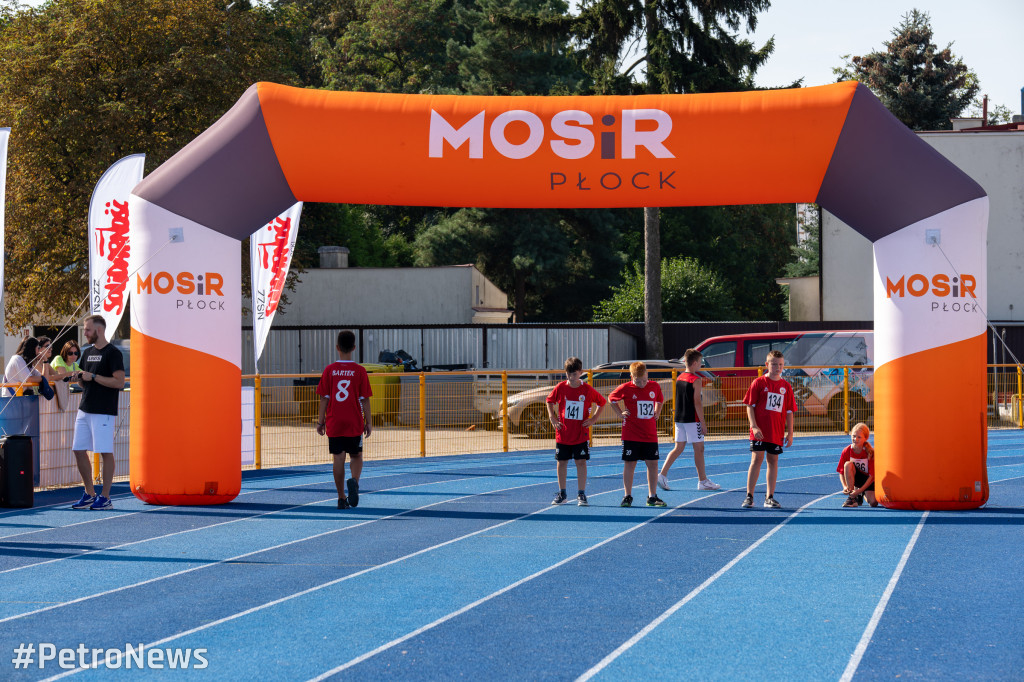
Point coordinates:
[[857, 468]]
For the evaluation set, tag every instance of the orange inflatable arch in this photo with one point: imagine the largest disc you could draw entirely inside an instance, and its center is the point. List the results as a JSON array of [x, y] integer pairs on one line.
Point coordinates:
[[835, 145]]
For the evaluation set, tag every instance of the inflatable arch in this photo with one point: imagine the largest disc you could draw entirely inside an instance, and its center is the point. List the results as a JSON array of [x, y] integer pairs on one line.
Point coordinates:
[[835, 145]]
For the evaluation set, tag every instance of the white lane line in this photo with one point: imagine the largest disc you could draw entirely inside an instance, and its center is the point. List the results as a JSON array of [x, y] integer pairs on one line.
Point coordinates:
[[625, 646], [274, 547], [112, 517], [324, 477], [243, 518], [1011, 478], [106, 517], [507, 588], [371, 569], [865, 639]]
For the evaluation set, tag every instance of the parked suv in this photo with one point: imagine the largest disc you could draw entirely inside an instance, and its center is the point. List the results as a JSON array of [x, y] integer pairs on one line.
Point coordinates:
[[527, 410], [814, 362]]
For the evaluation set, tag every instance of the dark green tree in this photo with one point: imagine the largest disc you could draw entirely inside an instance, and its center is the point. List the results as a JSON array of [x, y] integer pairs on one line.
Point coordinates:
[[683, 46], [387, 46], [748, 246], [921, 85], [689, 292], [805, 254], [554, 264], [516, 47], [84, 83]]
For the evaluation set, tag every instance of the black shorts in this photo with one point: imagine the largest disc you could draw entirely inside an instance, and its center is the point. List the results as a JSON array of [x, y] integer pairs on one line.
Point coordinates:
[[564, 453], [338, 445], [765, 446], [860, 478], [634, 451]]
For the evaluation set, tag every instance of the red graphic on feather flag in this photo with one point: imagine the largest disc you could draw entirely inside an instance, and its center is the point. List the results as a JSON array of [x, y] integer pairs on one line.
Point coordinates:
[[112, 246], [274, 257]]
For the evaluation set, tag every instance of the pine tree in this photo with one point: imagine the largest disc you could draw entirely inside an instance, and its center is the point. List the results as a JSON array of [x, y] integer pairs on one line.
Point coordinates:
[[684, 46], [920, 84]]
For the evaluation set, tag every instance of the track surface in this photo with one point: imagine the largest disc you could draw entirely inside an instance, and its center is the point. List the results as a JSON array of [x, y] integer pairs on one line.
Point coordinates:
[[460, 567]]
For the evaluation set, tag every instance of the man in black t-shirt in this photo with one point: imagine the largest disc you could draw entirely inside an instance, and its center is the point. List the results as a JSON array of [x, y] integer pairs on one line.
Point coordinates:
[[102, 378]]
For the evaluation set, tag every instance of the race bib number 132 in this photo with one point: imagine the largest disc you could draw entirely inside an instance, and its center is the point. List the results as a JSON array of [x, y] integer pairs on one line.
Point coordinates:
[[645, 409]]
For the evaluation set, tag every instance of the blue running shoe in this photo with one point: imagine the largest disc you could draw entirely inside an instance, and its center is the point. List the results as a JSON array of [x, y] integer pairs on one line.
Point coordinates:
[[85, 502], [101, 503]]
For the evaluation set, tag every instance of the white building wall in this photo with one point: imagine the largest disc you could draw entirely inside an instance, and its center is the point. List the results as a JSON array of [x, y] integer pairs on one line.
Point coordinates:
[[356, 296], [996, 161]]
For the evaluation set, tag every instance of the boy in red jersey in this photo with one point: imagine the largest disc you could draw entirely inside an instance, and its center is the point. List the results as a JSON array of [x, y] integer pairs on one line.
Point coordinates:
[[569, 405], [689, 421], [344, 416], [642, 402], [770, 407], [857, 468]]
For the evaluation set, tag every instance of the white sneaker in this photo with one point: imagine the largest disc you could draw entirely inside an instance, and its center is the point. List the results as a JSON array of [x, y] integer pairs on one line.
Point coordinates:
[[663, 482], [706, 484]]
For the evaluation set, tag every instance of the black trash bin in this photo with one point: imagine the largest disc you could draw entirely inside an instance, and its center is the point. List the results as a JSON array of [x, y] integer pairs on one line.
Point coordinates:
[[16, 471]]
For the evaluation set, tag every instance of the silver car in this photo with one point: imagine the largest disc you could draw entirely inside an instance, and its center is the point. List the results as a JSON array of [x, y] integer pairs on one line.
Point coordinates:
[[527, 410]]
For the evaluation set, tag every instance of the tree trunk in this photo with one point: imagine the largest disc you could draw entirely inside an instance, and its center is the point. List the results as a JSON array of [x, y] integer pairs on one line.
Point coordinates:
[[653, 337], [520, 305], [652, 284]]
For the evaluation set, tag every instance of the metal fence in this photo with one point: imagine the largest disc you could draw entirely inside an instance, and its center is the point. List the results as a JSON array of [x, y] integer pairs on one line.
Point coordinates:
[[297, 350], [448, 413]]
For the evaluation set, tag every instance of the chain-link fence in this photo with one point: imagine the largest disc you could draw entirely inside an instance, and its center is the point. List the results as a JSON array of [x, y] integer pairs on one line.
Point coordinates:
[[422, 414]]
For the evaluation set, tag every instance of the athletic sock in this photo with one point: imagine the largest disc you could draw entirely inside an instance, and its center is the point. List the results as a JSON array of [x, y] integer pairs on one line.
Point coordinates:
[[563, 491]]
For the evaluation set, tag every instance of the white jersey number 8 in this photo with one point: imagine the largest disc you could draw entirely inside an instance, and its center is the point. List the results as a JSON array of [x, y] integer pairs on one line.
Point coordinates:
[[342, 394]]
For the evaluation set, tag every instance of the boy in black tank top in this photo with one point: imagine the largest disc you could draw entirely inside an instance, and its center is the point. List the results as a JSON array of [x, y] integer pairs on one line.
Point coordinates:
[[689, 420]]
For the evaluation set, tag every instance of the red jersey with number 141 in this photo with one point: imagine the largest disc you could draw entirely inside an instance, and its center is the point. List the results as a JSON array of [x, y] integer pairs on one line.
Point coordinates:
[[574, 406], [642, 404], [344, 382], [772, 401]]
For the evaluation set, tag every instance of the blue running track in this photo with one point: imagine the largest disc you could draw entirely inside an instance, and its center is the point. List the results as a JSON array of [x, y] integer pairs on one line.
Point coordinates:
[[459, 567]]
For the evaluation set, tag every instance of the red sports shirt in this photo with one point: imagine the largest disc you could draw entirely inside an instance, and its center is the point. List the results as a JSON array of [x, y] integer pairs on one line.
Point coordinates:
[[772, 401], [642, 404], [864, 464], [344, 382], [574, 406]]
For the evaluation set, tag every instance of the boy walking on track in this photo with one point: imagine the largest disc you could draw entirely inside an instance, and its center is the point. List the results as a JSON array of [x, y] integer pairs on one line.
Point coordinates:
[[569, 405], [642, 402], [344, 416], [770, 407], [689, 421]]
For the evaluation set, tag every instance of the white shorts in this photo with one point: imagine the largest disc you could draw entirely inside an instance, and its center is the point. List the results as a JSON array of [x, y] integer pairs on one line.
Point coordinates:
[[690, 432], [94, 432]]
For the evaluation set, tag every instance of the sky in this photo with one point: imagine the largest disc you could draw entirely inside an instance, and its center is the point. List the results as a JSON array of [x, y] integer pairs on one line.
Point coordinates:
[[812, 35]]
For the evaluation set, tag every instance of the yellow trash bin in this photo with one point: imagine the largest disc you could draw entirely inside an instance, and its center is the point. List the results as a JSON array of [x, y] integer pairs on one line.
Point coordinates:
[[384, 405]]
